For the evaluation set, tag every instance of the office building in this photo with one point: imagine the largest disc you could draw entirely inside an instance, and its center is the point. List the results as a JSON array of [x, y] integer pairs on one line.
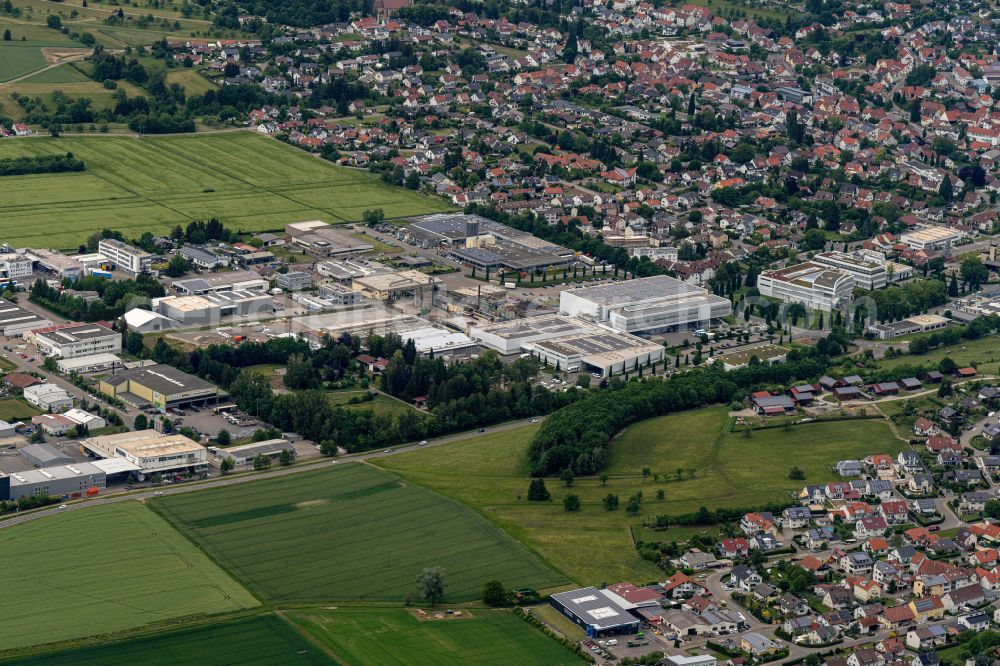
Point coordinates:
[[150, 451], [126, 258], [68, 481], [914, 324], [648, 305], [15, 265], [813, 285], [293, 280], [393, 286], [867, 273], [76, 340]]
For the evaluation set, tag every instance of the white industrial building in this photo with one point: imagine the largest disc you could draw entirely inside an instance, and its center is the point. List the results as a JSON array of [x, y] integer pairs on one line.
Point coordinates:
[[145, 321], [931, 238], [76, 340], [15, 321], [92, 363], [510, 337], [55, 263], [129, 259], [813, 285], [867, 273], [210, 308], [152, 452], [648, 305], [601, 351], [213, 283], [48, 397], [15, 265]]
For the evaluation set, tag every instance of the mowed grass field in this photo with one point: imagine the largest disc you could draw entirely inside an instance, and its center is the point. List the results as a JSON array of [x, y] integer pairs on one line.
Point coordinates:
[[105, 569], [985, 352], [490, 474], [263, 640], [390, 637], [350, 532], [250, 182]]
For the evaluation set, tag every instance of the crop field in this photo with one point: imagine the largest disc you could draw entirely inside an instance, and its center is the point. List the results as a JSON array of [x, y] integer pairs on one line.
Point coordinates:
[[386, 637], [250, 182], [349, 532], [717, 469], [117, 567], [19, 58], [65, 73], [263, 640]]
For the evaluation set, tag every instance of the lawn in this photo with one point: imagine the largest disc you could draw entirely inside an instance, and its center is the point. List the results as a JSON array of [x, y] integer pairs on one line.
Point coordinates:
[[717, 468], [102, 570], [65, 73], [350, 532], [380, 405], [984, 351], [397, 636], [263, 640], [13, 409], [250, 182]]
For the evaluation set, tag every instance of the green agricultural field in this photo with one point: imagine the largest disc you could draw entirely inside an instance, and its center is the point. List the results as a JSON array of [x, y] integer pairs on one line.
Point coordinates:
[[387, 637], [65, 73], [248, 181], [717, 468], [18, 59], [349, 532], [263, 640], [102, 570]]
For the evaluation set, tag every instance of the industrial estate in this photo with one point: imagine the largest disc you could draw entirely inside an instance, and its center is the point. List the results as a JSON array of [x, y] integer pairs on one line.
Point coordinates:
[[538, 333]]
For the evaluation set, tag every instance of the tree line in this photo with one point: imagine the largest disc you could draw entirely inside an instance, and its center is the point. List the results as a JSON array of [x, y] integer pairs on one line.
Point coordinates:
[[577, 437], [116, 297], [20, 166]]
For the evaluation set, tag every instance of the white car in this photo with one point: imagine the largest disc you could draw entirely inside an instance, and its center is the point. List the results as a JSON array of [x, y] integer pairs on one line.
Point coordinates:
[[158, 492], [62, 507], [387, 451], [422, 443]]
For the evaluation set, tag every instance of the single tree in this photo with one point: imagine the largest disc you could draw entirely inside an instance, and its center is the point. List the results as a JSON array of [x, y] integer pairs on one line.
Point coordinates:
[[566, 476], [610, 502], [431, 585], [140, 423], [261, 462], [571, 502], [796, 474], [224, 438], [495, 594], [286, 457], [537, 492], [227, 465]]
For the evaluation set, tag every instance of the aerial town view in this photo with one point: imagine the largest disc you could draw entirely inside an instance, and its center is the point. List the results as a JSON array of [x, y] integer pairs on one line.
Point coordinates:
[[500, 332]]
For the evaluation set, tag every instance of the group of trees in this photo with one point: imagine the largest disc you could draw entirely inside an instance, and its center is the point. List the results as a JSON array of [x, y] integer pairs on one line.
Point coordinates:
[[460, 396], [900, 301], [116, 297], [19, 166], [578, 435]]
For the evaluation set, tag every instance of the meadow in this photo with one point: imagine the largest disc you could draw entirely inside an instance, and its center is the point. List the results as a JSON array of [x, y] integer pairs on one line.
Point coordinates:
[[20, 58], [386, 637], [13, 409], [263, 640], [985, 352], [349, 532], [121, 567], [249, 182], [692, 457]]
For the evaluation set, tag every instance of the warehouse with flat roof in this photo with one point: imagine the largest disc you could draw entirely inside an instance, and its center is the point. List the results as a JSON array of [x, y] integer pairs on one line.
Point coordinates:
[[655, 304], [210, 308], [601, 351], [211, 283], [15, 321], [162, 386], [598, 612], [61, 481], [510, 337]]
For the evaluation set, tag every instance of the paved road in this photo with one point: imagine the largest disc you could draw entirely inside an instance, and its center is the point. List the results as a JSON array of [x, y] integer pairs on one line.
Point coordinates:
[[257, 476]]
